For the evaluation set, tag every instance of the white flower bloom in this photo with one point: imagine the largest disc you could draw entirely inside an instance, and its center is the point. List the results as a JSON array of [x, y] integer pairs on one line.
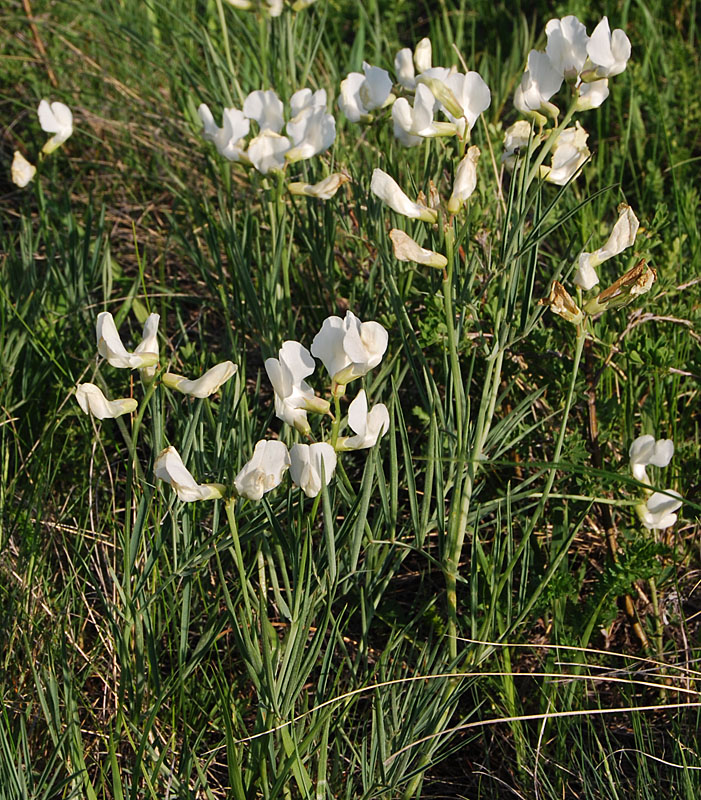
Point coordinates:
[[229, 138], [592, 95], [293, 395], [348, 347], [206, 385], [386, 188], [109, 344], [306, 100], [473, 97], [267, 151], [91, 399], [169, 467], [412, 124], [658, 512], [404, 67], [311, 132], [56, 118], [22, 171], [324, 190], [465, 180], [266, 109], [307, 463], [567, 45], [149, 344], [363, 93], [608, 52], [622, 236], [369, 427], [422, 55], [569, 153], [644, 451], [516, 139], [539, 83], [406, 249], [264, 471]]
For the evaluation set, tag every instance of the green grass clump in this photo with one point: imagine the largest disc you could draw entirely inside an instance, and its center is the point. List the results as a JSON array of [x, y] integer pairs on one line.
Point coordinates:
[[472, 607]]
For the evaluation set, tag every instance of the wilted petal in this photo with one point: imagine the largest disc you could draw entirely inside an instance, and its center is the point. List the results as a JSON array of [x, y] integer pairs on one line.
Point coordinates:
[[91, 399], [406, 249], [324, 190], [169, 467], [22, 171], [387, 189], [206, 385]]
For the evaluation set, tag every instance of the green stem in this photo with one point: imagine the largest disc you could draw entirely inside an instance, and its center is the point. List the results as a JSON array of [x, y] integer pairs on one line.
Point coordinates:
[[458, 391], [230, 507], [548, 145]]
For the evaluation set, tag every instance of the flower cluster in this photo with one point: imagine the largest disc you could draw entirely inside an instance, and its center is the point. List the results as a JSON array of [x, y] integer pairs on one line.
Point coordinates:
[[460, 97], [271, 8], [54, 118], [658, 511], [309, 130]]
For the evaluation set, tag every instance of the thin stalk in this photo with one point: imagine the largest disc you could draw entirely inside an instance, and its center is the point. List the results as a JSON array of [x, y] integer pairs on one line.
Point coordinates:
[[230, 507]]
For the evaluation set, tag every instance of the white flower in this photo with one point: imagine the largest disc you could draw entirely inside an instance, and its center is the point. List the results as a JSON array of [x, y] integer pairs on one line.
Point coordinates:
[[307, 463], [567, 45], [412, 124], [516, 139], [569, 153], [91, 399], [465, 180], [306, 100], [423, 55], [22, 171], [264, 471], [539, 83], [229, 138], [592, 95], [266, 109], [406, 249], [311, 132], [169, 467], [267, 151], [644, 451], [404, 67], [110, 346], [324, 190], [473, 97], [363, 93], [622, 236], [658, 512], [206, 385], [608, 52], [386, 188], [56, 118], [348, 347], [293, 395], [369, 427], [149, 344]]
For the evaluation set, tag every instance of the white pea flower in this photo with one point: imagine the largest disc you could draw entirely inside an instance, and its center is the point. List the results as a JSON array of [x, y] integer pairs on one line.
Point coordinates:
[[567, 45], [465, 180], [324, 190], [569, 153], [306, 100], [266, 108], [411, 125], [204, 386], [406, 249], [422, 55], [516, 139], [293, 395], [149, 344], [109, 344], [307, 462], [404, 68], [169, 467], [387, 189], [622, 236], [91, 399], [592, 95], [368, 426], [644, 451], [229, 138], [658, 512], [363, 93], [267, 151], [56, 118], [21, 170], [348, 347], [608, 52], [473, 97], [264, 471], [539, 83], [311, 132]]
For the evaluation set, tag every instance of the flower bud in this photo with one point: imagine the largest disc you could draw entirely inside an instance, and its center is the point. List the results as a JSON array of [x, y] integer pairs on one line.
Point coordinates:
[[406, 249]]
